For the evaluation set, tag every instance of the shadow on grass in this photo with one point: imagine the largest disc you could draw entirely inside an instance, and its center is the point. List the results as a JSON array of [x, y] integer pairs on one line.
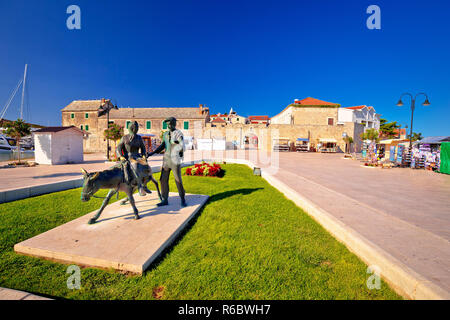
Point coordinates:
[[216, 197], [226, 194]]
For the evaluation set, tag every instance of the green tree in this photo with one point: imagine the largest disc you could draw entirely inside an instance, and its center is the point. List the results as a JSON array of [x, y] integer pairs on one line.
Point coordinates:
[[371, 134], [17, 130], [388, 129], [114, 133], [416, 136]]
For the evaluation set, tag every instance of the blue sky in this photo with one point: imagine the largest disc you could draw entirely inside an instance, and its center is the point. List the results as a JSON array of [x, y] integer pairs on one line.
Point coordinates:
[[256, 56]]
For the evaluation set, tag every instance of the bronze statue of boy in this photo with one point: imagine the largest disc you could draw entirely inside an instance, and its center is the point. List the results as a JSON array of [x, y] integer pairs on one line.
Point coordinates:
[[130, 150]]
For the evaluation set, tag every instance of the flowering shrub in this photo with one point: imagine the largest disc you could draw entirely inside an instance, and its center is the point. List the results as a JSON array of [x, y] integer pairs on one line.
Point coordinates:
[[205, 169]]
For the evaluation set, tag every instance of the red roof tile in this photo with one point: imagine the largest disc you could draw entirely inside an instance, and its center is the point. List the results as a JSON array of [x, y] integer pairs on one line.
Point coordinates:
[[358, 107], [315, 102], [220, 120], [258, 118]]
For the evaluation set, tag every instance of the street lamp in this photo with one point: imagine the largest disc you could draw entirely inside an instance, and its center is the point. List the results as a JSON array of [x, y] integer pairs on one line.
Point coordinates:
[[105, 108], [413, 106]]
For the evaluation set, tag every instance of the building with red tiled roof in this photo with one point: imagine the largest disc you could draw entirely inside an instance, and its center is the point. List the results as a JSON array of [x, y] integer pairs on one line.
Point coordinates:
[[308, 111], [259, 119], [363, 114], [309, 101]]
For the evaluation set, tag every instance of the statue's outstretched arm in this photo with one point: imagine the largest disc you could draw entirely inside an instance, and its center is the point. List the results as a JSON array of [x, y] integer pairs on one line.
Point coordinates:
[[157, 150]]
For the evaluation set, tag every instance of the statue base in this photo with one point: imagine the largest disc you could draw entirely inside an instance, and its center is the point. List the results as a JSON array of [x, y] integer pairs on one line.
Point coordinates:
[[117, 240]]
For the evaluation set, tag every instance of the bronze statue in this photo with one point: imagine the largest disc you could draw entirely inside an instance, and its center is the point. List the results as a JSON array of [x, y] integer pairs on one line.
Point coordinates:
[[173, 144], [130, 149], [131, 173]]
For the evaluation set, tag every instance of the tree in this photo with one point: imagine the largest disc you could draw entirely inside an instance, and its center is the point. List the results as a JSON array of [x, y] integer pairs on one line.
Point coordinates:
[[415, 136], [371, 134], [17, 130], [114, 132], [348, 143], [388, 129]]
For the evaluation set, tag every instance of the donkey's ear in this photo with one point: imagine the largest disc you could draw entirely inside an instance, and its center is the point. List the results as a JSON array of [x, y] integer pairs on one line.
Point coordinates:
[[85, 173], [95, 176]]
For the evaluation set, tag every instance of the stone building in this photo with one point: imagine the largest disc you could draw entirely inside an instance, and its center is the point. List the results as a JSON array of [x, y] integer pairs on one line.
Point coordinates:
[[310, 118], [84, 115]]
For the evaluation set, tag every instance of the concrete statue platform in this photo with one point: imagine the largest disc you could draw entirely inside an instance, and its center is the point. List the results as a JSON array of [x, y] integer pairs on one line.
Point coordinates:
[[117, 241]]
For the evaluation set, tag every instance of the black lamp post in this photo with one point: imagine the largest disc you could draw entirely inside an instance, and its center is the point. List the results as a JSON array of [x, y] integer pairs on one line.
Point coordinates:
[[105, 108], [413, 106]]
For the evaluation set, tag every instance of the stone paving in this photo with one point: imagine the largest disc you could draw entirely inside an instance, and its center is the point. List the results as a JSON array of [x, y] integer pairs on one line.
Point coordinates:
[[403, 211]]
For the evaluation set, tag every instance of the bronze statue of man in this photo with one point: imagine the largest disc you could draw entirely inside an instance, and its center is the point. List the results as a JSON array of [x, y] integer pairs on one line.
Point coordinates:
[[173, 144], [130, 150]]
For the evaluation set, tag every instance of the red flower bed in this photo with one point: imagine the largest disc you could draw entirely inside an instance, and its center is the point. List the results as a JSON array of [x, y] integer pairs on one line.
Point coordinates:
[[206, 170]]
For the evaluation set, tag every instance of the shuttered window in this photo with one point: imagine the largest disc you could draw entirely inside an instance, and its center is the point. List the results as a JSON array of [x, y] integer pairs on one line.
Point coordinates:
[[149, 124], [186, 125]]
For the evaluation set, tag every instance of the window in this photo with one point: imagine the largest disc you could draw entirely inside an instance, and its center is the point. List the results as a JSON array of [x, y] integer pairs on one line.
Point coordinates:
[[128, 124], [330, 121], [237, 119], [86, 115], [164, 125], [81, 127], [186, 125], [86, 127], [72, 115], [149, 124]]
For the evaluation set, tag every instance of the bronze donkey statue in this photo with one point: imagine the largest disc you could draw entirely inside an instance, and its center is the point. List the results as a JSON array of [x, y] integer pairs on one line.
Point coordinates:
[[113, 179]]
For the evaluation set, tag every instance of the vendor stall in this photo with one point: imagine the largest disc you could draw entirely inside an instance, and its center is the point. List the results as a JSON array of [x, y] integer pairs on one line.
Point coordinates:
[[426, 153], [327, 145], [281, 144], [302, 145], [390, 147]]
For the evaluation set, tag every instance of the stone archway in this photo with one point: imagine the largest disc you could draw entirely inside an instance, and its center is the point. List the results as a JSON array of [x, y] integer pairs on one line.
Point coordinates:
[[250, 141]]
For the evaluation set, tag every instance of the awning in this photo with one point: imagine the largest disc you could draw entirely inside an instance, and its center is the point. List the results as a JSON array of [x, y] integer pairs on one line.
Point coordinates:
[[303, 139], [328, 140], [433, 140], [393, 141]]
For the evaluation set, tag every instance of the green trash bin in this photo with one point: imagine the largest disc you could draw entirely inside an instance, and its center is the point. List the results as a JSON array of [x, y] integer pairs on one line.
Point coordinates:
[[445, 158]]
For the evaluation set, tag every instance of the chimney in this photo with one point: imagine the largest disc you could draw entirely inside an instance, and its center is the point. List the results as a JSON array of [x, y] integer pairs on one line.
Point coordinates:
[[297, 101], [200, 109]]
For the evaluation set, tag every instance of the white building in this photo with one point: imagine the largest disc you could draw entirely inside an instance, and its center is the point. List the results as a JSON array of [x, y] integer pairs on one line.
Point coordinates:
[[365, 115], [58, 145]]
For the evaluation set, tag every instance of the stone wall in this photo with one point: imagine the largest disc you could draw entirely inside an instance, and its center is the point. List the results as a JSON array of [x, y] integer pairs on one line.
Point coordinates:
[[314, 116], [96, 141]]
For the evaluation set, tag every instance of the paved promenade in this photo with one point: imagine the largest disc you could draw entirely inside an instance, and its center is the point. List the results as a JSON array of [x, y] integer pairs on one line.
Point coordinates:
[[402, 211]]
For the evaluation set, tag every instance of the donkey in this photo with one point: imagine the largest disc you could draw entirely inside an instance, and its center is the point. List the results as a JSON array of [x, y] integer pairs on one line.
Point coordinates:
[[113, 179]]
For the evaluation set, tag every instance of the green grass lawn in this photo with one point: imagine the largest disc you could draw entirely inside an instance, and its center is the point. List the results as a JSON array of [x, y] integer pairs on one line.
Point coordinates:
[[248, 242]]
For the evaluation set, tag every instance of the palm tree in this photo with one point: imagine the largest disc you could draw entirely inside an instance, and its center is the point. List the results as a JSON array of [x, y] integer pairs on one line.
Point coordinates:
[[17, 130]]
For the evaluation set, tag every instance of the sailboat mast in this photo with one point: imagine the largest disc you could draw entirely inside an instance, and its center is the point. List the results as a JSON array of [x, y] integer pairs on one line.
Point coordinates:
[[23, 90]]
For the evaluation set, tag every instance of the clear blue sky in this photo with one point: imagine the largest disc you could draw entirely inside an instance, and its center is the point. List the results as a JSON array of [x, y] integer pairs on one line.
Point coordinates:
[[256, 56]]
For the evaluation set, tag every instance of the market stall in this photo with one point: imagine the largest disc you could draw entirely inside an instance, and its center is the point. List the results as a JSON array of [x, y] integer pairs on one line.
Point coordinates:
[[302, 145], [327, 145], [389, 148], [281, 144], [426, 153]]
